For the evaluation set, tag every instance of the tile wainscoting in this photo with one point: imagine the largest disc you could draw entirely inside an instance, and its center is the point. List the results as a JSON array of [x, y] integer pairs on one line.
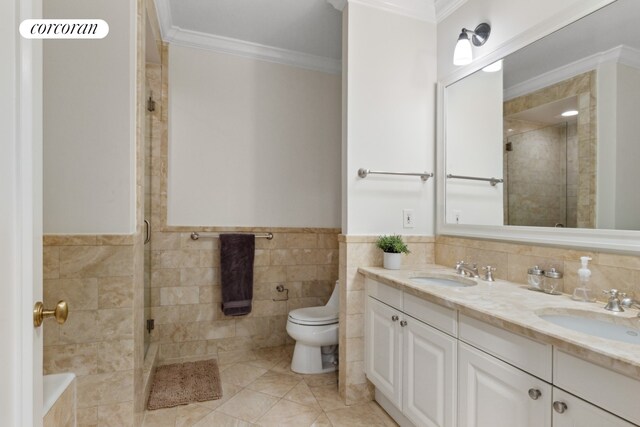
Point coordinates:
[[359, 251], [186, 292], [95, 275]]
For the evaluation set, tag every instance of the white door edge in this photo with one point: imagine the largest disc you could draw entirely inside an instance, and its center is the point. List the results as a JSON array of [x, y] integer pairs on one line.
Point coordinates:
[[20, 216]]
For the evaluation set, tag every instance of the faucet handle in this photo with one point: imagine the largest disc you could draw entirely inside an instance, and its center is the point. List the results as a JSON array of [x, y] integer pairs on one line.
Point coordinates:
[[488, 275], [614, 300]]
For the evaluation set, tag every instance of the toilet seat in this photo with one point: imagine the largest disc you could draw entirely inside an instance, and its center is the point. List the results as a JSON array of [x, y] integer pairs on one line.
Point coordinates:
[[314, 316]]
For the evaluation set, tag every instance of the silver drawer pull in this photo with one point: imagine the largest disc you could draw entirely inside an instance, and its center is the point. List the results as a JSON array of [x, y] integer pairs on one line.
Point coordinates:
[[534, 393], [559, 407], [394, 318]]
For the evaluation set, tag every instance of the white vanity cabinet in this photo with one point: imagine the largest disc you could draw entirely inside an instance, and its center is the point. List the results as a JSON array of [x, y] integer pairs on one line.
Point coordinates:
[[429, 372], [569, 411], [492, 393], [435, 366], [411, 363], [383, 350]]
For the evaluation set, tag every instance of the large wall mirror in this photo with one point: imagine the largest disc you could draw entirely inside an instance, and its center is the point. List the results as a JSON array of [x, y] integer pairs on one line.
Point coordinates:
[[548, 137]]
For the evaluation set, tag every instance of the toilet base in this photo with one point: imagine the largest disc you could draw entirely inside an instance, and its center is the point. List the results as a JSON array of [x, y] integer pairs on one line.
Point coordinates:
[[310, 360]]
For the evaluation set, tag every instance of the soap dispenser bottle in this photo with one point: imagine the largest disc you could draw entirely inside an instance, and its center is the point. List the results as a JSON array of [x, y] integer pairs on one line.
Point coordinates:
[[583, 292]]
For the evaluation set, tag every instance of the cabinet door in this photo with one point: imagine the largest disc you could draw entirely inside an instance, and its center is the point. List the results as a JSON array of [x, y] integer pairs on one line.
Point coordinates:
[[578, 413], [429, 375], [492, 393], [383, 351]]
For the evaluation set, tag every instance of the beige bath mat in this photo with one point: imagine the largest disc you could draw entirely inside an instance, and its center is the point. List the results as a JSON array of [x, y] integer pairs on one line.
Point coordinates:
[[183, 383]]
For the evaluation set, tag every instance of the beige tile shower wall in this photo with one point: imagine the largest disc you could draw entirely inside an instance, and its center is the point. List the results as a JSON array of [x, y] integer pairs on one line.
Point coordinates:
[[583, 87], [355, 252], [186, 292], [95, 275], [537, 177], [512, 261]]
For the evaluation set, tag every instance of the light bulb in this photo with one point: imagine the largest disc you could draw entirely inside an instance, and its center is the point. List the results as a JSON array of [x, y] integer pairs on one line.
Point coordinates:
[[462, 54], [569, 113]]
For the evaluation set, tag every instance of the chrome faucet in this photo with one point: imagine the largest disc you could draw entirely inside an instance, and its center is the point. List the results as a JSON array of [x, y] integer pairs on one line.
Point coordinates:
[[628, 302], [614, 303], [467, 270]]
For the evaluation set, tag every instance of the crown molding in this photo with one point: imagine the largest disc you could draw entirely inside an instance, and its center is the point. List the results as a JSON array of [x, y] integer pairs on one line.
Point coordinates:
[[424, 10], [178, 36], [338, 4], [629, 56], [621, 54], [163, 9], [445, 8]]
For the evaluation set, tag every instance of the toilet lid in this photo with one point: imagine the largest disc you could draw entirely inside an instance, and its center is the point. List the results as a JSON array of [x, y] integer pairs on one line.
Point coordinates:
[[314, 315]]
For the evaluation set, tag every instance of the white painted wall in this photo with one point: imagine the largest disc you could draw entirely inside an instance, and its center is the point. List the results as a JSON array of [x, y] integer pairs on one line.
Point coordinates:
[[628, 149], [607, 139], [508, 19], [251, 143], [89, 123], [474, 148], [618, 174], [391, 76]]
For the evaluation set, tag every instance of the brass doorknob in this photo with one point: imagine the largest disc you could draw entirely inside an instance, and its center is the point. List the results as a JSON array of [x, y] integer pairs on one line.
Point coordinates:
[[40, 313]]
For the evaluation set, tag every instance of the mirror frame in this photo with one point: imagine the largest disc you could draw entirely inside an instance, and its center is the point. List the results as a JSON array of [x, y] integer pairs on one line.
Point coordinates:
[[623, 241]]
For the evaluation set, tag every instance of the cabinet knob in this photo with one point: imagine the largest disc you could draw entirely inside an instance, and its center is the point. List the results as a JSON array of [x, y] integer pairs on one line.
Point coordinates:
[[394, 318], [534, 393], [403, 323], [559, 407]]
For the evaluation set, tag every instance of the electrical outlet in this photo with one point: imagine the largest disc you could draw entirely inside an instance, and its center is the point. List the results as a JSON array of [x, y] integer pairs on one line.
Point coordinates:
[[456, 216], [408, 219]]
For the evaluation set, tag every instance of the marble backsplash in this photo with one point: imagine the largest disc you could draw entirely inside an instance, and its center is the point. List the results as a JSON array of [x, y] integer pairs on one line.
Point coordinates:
[[513, 259]]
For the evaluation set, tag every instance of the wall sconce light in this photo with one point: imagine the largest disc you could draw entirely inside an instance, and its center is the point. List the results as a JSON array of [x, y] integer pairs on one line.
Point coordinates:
[[462, 54]]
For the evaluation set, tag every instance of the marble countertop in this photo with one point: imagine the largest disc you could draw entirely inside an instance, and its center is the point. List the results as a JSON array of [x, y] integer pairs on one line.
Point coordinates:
[[513, 307]]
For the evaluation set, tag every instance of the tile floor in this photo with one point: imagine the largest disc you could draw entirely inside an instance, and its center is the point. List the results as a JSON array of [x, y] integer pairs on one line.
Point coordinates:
[[259, 389]]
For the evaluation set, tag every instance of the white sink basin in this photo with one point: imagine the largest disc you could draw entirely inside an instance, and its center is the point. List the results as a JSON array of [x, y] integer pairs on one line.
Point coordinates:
[[440, 281], [617, 329]]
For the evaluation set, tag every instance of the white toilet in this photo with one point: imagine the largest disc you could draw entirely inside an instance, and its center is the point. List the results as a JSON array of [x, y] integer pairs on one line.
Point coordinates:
[[315, 330]]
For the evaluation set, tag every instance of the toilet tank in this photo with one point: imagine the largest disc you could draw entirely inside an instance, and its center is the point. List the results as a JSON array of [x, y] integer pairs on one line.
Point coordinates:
[[334, 301]]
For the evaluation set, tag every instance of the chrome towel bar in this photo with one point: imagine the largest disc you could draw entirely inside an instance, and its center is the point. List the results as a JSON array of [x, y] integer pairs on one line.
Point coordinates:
[[196, 235], [362, 173], [492, 181]]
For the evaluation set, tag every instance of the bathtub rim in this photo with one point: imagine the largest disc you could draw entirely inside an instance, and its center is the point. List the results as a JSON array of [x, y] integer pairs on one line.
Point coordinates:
[[53, 386]]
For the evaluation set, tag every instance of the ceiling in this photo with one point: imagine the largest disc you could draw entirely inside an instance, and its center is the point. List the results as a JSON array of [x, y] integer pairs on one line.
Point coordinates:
[[309, 26], [301, 33], [549, 113], [611, 26]]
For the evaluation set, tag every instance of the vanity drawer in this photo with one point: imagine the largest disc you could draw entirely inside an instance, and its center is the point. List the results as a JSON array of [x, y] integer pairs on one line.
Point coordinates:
[[435, 315], [524, 353], [614, 392], [384, 293]]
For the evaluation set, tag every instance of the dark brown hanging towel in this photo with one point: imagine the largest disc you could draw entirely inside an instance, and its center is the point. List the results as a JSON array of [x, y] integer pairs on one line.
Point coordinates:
[[236, 272]]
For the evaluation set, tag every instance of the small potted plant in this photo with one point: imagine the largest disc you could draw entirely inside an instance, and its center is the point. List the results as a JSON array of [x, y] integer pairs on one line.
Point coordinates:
[[393, 248]]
